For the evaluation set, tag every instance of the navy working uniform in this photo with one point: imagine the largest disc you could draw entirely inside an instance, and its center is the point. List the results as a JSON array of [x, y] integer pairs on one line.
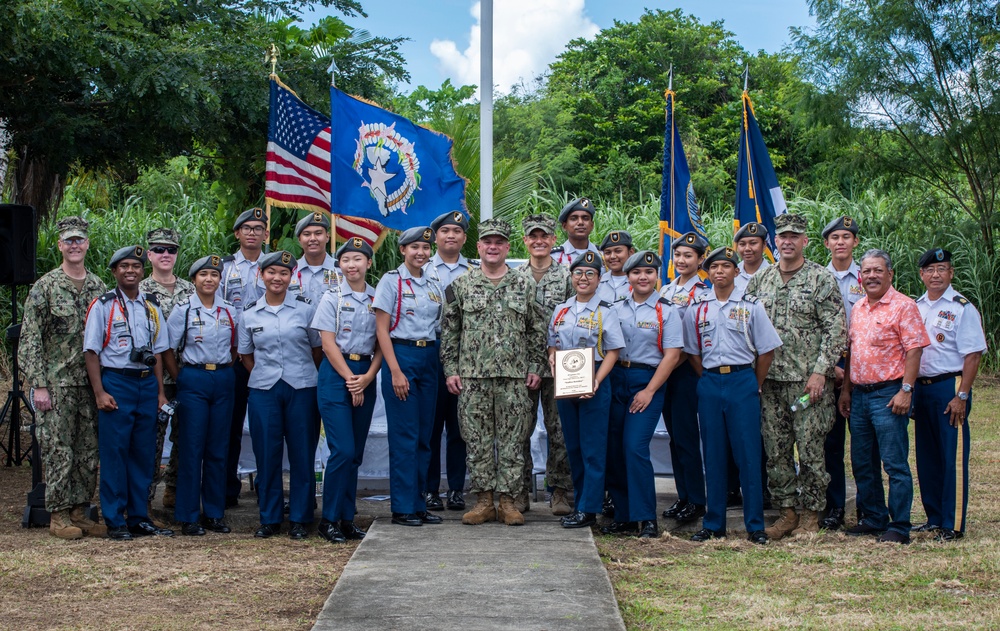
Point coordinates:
[[282, 399], [116, 326], [350, 316], [592, 324], [680, 409], [649, 328], [205, 339], [414, 308], [955, 329], [728, 336]]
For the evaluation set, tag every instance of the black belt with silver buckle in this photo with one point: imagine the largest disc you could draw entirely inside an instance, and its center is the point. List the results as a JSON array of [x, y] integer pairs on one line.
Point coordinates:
[[138, 373], [872, 387], [627, 364], [355, 357], [926, 381], [418, 343], [725, 370], [209, 366]]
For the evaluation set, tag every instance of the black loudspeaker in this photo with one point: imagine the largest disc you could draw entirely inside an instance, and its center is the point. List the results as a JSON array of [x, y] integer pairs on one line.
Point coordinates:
[[17, 244]]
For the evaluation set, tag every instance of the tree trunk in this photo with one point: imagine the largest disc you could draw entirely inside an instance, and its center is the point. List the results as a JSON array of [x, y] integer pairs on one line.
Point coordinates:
[[36, 184]]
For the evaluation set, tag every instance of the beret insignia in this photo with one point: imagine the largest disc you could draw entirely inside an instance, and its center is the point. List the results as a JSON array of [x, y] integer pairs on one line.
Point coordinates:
[[458, 216], [427, 234], [649, 257], [358, 242], [215, 261], [847, 221], [752, 229], [138, 251], [286, 258], [258, 213]]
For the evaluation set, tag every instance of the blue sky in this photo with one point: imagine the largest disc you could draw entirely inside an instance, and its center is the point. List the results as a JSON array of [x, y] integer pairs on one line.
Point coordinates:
[[529, 34]]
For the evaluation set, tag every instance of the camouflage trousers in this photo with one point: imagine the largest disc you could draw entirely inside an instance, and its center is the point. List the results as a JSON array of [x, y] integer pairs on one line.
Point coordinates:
[[785, 431], [557, 473], [168, 476], [493, 418], [67, 439]]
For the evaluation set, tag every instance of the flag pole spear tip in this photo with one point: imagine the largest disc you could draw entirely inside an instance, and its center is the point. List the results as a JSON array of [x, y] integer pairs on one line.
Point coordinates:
[[271, 55], [670, 79], [333, 71], [746, 77]]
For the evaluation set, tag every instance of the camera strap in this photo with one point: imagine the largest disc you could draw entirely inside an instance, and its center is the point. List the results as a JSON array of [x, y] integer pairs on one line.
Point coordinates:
[[152, 323]]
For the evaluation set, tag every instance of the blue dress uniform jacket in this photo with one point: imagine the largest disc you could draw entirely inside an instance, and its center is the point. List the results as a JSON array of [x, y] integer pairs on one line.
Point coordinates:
[[728, 336], [955, 329], [312, 281]]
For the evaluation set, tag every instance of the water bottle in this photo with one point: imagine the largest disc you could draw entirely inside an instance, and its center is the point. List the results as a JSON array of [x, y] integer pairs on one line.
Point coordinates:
[[319, 484], [801, 403], [166, 412]]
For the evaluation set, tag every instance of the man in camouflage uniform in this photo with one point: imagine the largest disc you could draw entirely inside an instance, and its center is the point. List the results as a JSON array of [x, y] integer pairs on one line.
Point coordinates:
[[51, 355], [492, 350], [553, 287], [803, 302], [170, 290]]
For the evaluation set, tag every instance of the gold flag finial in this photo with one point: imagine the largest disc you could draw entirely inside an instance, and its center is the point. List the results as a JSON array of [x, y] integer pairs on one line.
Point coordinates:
[[271, 55]]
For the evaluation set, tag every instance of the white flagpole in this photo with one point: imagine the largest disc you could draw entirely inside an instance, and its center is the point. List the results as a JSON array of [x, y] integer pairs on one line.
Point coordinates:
[[486, 111]]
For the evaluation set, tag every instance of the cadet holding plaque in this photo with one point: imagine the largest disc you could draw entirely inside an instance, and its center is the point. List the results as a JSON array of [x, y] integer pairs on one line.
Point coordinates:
[[584, 339]]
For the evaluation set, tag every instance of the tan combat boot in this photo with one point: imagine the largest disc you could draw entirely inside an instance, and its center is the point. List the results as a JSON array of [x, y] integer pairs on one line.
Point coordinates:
[[522, 503], [78, 517], [560, 502], [788, 522], [509, 513], [808, 523], [60, 526], [169, 497], [482, 512]]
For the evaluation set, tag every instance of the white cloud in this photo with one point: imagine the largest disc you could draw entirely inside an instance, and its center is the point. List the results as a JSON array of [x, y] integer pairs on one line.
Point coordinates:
[[527, 37]]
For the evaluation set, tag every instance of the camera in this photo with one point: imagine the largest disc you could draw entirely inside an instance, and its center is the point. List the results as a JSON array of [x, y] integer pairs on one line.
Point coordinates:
[[143, 355]]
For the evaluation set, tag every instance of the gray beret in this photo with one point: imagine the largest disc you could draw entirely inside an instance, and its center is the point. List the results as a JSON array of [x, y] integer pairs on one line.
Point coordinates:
[[253, 214], [616, 237], [136, 252], [280, 258], [841, 223], [580, 203], [587, 259], [420, 233], [451, 218], [691, 240], [721, 254], [752, 229], [313, 219], [645, 258], [355, 244]]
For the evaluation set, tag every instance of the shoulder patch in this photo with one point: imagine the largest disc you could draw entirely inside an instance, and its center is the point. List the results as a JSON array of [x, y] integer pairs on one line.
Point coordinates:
[[229, 259], [151, 298], [226, 303], [250, 306], [302, 298], [474, 262], [699, 298], [962, 300], [664, 301], [392, 271], [750, 298], [605, 304], [449, 294], [107, 297], [557, 250]]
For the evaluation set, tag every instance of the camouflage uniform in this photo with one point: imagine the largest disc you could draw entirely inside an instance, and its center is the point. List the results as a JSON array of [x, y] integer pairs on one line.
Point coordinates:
[[808, 314], [554, 288], [493, 336], [183, 289], [51, 354]]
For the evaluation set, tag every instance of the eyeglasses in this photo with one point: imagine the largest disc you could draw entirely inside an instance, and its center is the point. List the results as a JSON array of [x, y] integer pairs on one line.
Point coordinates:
[[74, 241], [579, 273], [164, 249], [245, 229]]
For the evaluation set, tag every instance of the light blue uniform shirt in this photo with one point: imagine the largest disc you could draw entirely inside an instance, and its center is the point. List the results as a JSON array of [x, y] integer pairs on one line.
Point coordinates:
[[116, 325], [351, 315], [850, 286], [744, 278], [614, 288], [683, 295], [955, 329], [574, 324], [210, 333], [723, 332], [241, 282], [569, 253], [641, 326], [446, 273], [312, 281], [413, 304], [281, 341]]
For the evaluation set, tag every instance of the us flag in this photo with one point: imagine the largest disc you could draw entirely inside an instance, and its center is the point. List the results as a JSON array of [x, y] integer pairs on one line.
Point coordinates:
[[298, 163]]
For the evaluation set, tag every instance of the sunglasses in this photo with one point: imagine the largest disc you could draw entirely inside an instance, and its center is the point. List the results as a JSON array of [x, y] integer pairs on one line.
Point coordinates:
[[164, 249]]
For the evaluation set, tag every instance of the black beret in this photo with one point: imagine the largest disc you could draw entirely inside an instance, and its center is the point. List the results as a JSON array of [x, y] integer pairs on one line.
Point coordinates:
[[580, 203], [721, 254], [587, 259], [930, 257], [451, 218], [616, 237], [355, 244], [691, 240], [281, 258], [645, 258]]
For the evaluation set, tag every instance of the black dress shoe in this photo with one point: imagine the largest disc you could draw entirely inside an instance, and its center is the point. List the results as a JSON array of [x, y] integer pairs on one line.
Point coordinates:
[[608, 510], [216, 525], [351, 531], [863, 529], [705, 534], [427, 518], [758, 536], [297, 532], [433, 501], [690, 513], [267, 530], [834, 520], [580, 519], [146, 528], [676, 507], [927, 527], [620, 528], [455, 500], [734, 499], [948, 535], [407, 519], [648, 529], [232, 502], [331, 532], [192, 530], [893, 536], [119, 534]]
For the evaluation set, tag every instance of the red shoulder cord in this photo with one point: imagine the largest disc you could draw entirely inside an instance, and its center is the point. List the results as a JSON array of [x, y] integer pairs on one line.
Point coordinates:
[[399, 303], [697, 317], [659, 319], [559, 317], [111, 316], [232, 325]]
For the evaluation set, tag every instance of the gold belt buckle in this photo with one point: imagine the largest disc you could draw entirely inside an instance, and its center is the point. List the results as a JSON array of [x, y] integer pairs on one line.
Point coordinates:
[[724, 370], [626, 364], [421, 343], [211, 366], [143, 374], [354, 357]]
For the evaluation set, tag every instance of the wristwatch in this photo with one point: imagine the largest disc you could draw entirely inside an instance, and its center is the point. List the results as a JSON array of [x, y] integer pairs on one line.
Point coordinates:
[[907, 388], [964, 396]]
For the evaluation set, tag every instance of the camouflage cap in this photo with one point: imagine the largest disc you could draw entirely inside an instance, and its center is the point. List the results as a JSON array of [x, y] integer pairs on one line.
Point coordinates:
[[355, 244], [721, 254], [320, 219], [841, 223], [451, 218], [787, 222], [74, 226], [494, 227], [136, 252], [281, 258], [645, 258], [252, 214], [616, 237], [937, 255], [420, 233], [587, 259], [166, 236], [211, 261], [580, 203], [538, 222], [752, 229], [691, 240]]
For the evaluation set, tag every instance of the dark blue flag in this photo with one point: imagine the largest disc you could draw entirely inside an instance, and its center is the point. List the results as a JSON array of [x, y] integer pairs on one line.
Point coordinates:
[[758, 195], [384, 167]]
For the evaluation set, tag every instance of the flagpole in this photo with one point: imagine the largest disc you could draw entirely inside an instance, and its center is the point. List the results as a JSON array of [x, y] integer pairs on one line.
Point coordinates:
[[486, 111], [333, 217], [271, 55]]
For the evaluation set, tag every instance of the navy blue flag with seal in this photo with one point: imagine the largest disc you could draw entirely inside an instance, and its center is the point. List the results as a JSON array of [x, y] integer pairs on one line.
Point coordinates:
[[758, 195]]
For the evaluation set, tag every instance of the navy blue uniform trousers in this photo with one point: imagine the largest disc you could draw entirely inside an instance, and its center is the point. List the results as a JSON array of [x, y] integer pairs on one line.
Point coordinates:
[[346, 428], [729, 410], [630, 470], [446, 422], [585, 428], [279, 415], [126, 443], [942, 455], [241, 393], [205, 399], [680, 417], [410, 424]]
